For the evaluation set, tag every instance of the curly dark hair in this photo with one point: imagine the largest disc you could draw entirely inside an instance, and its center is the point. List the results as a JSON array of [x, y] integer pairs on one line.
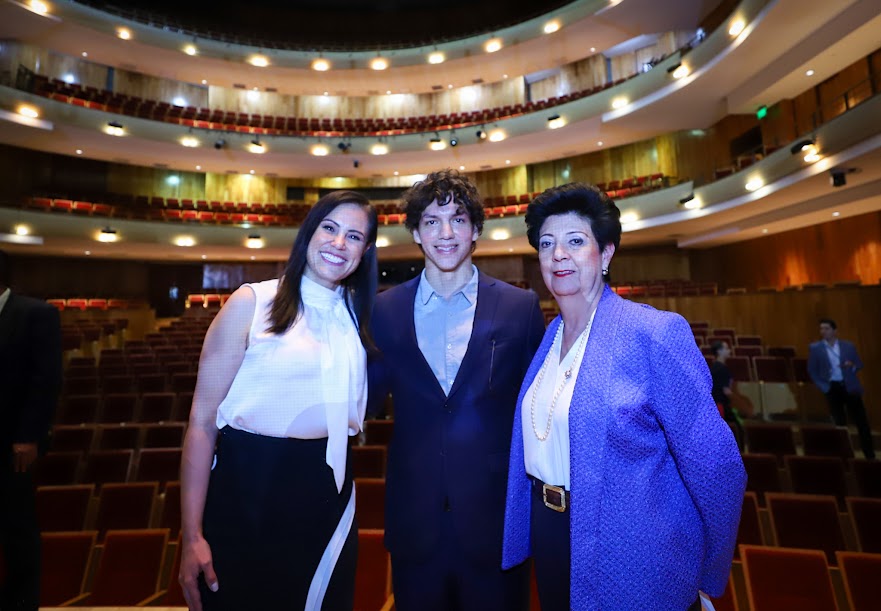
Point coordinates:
[[445, 186]]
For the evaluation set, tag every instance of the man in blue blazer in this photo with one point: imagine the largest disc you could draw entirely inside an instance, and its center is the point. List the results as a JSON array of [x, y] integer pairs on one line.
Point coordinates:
[[30, 381], [833, 365], [455, 345]]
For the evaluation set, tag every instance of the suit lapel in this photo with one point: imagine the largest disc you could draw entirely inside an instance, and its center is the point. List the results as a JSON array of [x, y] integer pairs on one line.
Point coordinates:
[[481, 330], [408, 308]]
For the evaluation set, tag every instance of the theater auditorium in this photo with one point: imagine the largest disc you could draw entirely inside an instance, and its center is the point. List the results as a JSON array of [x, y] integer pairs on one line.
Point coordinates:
[[155, 156]]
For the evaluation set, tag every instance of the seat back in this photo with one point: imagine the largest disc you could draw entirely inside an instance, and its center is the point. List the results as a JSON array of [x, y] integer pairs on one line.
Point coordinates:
[[370, 504], [861, 574], [64, 565], [130, 566], [787, 579], [806, 521]]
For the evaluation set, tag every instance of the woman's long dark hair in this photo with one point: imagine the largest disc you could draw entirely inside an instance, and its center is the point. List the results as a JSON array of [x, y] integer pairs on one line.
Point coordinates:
[[359, 286]]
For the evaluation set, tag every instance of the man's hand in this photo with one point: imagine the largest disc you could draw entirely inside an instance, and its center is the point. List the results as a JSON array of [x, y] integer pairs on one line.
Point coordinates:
[[23, 455]]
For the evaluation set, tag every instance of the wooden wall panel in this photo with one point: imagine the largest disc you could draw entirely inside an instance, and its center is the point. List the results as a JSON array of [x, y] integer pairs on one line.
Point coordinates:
[[778, 128], [508, 181], [159, 89], [53, 65], [584, 74], [842, 250], [845, 89], [646, 264], [245, 188], [48, 277], [139, 180]]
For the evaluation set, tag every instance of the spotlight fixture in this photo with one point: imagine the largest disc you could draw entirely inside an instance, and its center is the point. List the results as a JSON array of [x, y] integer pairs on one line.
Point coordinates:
[[436, 144], [754, 184], [254, 241], [802, 146], [551, 26], [189, 142], [492, 45], [114, 128], [319, 150], [256, 147], [678, 70], [454, 140], [124, 33], [382, 242], [40, 8], [687, 198], [320, 65], [190, 50], [690, 202], [344, 147], [838, 178], [436, 58], [185, 241], [260, 61], [499, 234], [378, 63], [380, 148], [619, 103], [629, 217], [736, 27], [22, 230], [107, 235], [497, 135], [219, 143], [556, 122], [480, 134], [356, 164], [28, 111]]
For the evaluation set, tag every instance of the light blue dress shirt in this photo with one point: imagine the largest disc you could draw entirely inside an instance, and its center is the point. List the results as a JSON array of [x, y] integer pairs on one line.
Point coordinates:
[[443, 327]]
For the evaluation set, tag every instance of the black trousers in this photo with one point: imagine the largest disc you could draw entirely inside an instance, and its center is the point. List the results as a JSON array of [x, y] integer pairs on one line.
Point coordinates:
[[449, 580], [20, 539], [271, 509], [843, 406]]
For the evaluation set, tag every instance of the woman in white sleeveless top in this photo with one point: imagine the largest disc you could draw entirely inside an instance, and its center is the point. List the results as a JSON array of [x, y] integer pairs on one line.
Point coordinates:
[[267, 497]]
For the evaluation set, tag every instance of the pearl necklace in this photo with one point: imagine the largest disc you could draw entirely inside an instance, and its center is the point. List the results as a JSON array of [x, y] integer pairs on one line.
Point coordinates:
[[566, 376]]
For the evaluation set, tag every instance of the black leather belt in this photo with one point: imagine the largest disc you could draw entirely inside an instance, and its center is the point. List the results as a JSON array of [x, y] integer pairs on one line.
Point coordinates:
[[554, 497]]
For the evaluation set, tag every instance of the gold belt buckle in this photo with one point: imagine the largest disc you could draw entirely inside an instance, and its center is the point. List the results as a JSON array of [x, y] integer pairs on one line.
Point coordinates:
[[561, 507]]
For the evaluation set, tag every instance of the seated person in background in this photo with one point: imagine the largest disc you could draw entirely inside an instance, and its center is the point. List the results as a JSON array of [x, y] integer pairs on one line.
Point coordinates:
[[722, 392]]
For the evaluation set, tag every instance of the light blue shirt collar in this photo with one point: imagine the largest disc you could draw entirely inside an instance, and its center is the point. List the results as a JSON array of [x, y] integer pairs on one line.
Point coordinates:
[[469, 291]]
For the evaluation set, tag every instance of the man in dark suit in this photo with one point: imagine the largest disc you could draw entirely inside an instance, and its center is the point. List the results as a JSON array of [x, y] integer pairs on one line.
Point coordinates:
[[30, 380], [833, 364], [455, 346]]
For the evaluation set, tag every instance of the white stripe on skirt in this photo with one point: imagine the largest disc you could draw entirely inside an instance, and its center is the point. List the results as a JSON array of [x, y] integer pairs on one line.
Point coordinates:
[[331, 554]]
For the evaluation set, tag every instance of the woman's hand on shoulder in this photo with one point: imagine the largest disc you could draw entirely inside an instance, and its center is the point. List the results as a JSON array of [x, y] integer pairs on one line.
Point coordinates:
[[195, 559]]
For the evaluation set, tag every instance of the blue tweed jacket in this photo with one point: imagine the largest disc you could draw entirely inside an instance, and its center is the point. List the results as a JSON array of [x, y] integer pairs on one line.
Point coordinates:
[[656, 478]]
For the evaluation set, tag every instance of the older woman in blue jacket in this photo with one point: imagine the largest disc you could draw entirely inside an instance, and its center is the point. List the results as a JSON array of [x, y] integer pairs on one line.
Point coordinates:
[[625, 484]]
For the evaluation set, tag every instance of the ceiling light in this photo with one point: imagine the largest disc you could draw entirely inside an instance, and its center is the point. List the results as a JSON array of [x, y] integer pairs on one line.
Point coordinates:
[[802, 146], [736, 27], [378, 63], [22, 229], [388, 92], [551, 27], [380, 148], [382, 242], [319, 150], [38, 7], [250, 172], [809, 73], [504, 76], [85, 54], [69, 78], [259, 61], [114, 128], [461, 168], [256, 147], [619, 103], [492, 45], [629, 217], [764, 231], [836, 214], [185, 240], [680, 71], [593, 49], [812, 156], [436, 144], [320, 65], [87, 252], [497, 135], [179, 101], [254, 241], [28, 111], [599, 142], [480, 134], [692, 204], [754, 184], [396, 173], [189, 142], [107, 235], [436, 58], [454, 140], [198, 167], [556, 122], [79, 151], [173, 180], [190, 50], [204, 257], [124, 33], [204, 81], [507, 162], [499, 234]]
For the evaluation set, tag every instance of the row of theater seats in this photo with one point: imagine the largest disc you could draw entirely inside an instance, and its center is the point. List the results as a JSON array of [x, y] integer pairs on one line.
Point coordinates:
[[666, 288], [254, 123], [140, 567]]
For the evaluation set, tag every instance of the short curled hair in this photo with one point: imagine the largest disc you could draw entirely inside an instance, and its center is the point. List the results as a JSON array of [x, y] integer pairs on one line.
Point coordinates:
[[830, 322], [588, 201], [445, 186]]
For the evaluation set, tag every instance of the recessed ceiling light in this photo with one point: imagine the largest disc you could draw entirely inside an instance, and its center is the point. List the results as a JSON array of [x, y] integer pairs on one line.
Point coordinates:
[[619, 103], [492, 45], [85, 54], [380, 148], [21, 229], [198, 167], [593, 49], [253, 258], [87, 253], [204, 81], [114, 128], [497, 135], [28, 111], [736, 27], [629, 217], [189, 141], [809, 73], [256, 147], [254, 241], [124, 33], [599, 143], [551, 26], [556, 122], [190, 50], [461, 168], [251, 172], [107, 235], [388, 92], [378, 63], [320, 65], [836, 214], [504, 76], [260, 61], [185, 241], [436, 58], [382, 242], [681, 71], [204, 257], [38, 7], [754, 184], [79, 151], [396, 173], [319, 150], [764, 231], [507, 162], [499, 234]]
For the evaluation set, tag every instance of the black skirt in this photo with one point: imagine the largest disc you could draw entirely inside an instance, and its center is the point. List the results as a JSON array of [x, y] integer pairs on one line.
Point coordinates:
[[271, 511]]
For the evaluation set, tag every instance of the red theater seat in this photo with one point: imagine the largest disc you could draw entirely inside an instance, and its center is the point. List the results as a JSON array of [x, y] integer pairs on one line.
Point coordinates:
[[368, 461], [769, 438], [65, 562], [122, 506], [867, 474], [806, 521], [373, 575], [763, 474], [861, 574], [378, 432], [63, 508], [790, 579], [749, 531], [370, 502], [817, 475], [826, 440], [770, 368], [866, 517]]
